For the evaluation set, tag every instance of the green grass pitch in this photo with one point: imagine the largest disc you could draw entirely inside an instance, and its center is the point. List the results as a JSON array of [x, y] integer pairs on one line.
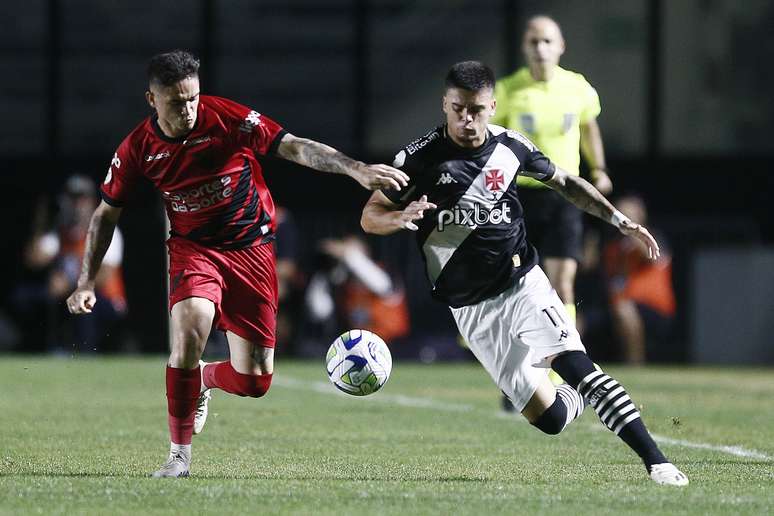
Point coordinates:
[[80, 436]]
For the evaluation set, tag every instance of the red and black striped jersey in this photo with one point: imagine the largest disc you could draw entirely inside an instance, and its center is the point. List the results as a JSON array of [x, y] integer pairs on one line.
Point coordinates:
[[210, 179]]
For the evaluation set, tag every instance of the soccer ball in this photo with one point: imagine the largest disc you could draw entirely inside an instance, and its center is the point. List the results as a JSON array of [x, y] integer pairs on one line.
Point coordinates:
[[358, 362]]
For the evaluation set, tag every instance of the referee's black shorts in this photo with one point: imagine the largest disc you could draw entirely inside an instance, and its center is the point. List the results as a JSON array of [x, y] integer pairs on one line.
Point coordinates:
[[554, 224]]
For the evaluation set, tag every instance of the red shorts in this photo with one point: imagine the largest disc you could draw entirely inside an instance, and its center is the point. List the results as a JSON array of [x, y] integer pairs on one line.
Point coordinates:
[[241, 282]]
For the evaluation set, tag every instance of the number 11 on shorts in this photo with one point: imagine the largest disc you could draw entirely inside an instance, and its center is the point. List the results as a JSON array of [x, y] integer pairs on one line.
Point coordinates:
[[557, 316]]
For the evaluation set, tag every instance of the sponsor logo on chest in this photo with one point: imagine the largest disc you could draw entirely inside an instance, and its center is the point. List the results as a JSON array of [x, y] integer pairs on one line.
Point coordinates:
[[199, 197], [186, 143], [156, 157], [478, 215], [197, 141]]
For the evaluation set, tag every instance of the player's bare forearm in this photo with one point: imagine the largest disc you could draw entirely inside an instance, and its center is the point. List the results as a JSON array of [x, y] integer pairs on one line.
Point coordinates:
[[316, 155], [381, 216], [319, 156], [100, 233], [582, 194]]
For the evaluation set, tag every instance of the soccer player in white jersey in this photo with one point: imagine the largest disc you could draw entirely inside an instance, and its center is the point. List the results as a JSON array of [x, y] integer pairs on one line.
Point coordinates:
[[463, 205]]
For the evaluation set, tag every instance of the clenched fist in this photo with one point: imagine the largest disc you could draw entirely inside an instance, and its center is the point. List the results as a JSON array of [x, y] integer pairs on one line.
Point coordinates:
[[82, 300]]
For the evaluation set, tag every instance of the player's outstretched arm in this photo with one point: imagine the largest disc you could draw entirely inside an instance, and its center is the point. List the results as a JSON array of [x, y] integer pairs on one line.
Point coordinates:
[[583, 195], [381, 216], [101, 227], [319, 156]]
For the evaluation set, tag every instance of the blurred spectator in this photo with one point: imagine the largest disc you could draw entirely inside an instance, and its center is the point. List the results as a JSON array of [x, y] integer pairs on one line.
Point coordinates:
[[57, 255], [642, 301], [290, 281], [352, 291]]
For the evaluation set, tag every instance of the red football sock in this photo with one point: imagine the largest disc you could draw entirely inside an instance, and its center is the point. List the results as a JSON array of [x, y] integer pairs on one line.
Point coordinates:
[[222, 375], [183, 387]]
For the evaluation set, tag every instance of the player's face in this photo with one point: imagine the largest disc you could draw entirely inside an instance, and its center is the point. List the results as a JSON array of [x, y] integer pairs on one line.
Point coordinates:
[[176, 105], [467, 115], [543, 43]]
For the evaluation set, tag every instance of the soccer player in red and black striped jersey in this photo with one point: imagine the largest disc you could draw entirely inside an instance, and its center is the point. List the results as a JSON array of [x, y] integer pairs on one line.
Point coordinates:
[[200, 153]]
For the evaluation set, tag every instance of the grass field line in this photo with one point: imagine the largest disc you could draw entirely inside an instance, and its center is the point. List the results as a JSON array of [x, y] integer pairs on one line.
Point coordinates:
[[731, 450], [394, 399], [429, 403]]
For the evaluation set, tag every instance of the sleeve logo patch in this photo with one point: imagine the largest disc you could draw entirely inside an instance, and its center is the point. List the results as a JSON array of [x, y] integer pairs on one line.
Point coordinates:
[[400, 159], [250, 122], [521, 138], [115, 162]]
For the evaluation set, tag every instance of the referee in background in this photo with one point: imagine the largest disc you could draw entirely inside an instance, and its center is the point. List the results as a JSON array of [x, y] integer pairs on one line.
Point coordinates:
[[557, 109]]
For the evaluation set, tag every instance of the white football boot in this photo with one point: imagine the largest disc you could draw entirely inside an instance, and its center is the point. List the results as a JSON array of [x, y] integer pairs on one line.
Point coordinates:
[[667, 474], [202, 404], [177, 464], [201, 411]]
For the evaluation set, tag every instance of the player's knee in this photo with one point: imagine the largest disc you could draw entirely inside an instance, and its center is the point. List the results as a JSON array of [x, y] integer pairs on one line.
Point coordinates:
[[550, 425], [192, 321], [185, 354], [188, 345], [553, 420], [255, 386]]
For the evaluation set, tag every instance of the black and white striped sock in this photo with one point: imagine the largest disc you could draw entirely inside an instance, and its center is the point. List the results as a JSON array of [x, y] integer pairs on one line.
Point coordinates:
[[572, 400], [611, 403], [609, 399]]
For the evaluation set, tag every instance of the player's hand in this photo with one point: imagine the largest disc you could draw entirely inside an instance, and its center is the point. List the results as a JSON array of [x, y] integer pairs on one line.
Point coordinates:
[[376, 177], [415, 211], [601, 181], [642, 234], [82, 300]]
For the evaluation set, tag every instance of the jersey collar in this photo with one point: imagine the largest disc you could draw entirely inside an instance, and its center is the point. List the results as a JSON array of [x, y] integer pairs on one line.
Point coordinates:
[[180, 139], [465, 150]]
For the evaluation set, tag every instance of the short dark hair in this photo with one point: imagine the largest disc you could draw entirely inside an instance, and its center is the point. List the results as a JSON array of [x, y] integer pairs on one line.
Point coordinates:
[[170, 67], [471, 76]]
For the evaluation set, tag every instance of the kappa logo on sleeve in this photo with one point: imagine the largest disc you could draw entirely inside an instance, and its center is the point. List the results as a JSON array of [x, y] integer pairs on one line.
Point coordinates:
[[115, 162], [400, 159], [250, 122]]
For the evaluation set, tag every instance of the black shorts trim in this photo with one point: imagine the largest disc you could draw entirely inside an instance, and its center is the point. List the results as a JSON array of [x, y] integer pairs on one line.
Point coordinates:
[[554, 225]]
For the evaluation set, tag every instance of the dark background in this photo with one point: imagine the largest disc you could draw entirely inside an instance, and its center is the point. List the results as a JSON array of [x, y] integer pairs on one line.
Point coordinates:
[[687, 111]]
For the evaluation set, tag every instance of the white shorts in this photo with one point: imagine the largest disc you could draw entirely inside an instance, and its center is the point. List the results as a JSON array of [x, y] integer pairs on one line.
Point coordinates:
[[514, 333]]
